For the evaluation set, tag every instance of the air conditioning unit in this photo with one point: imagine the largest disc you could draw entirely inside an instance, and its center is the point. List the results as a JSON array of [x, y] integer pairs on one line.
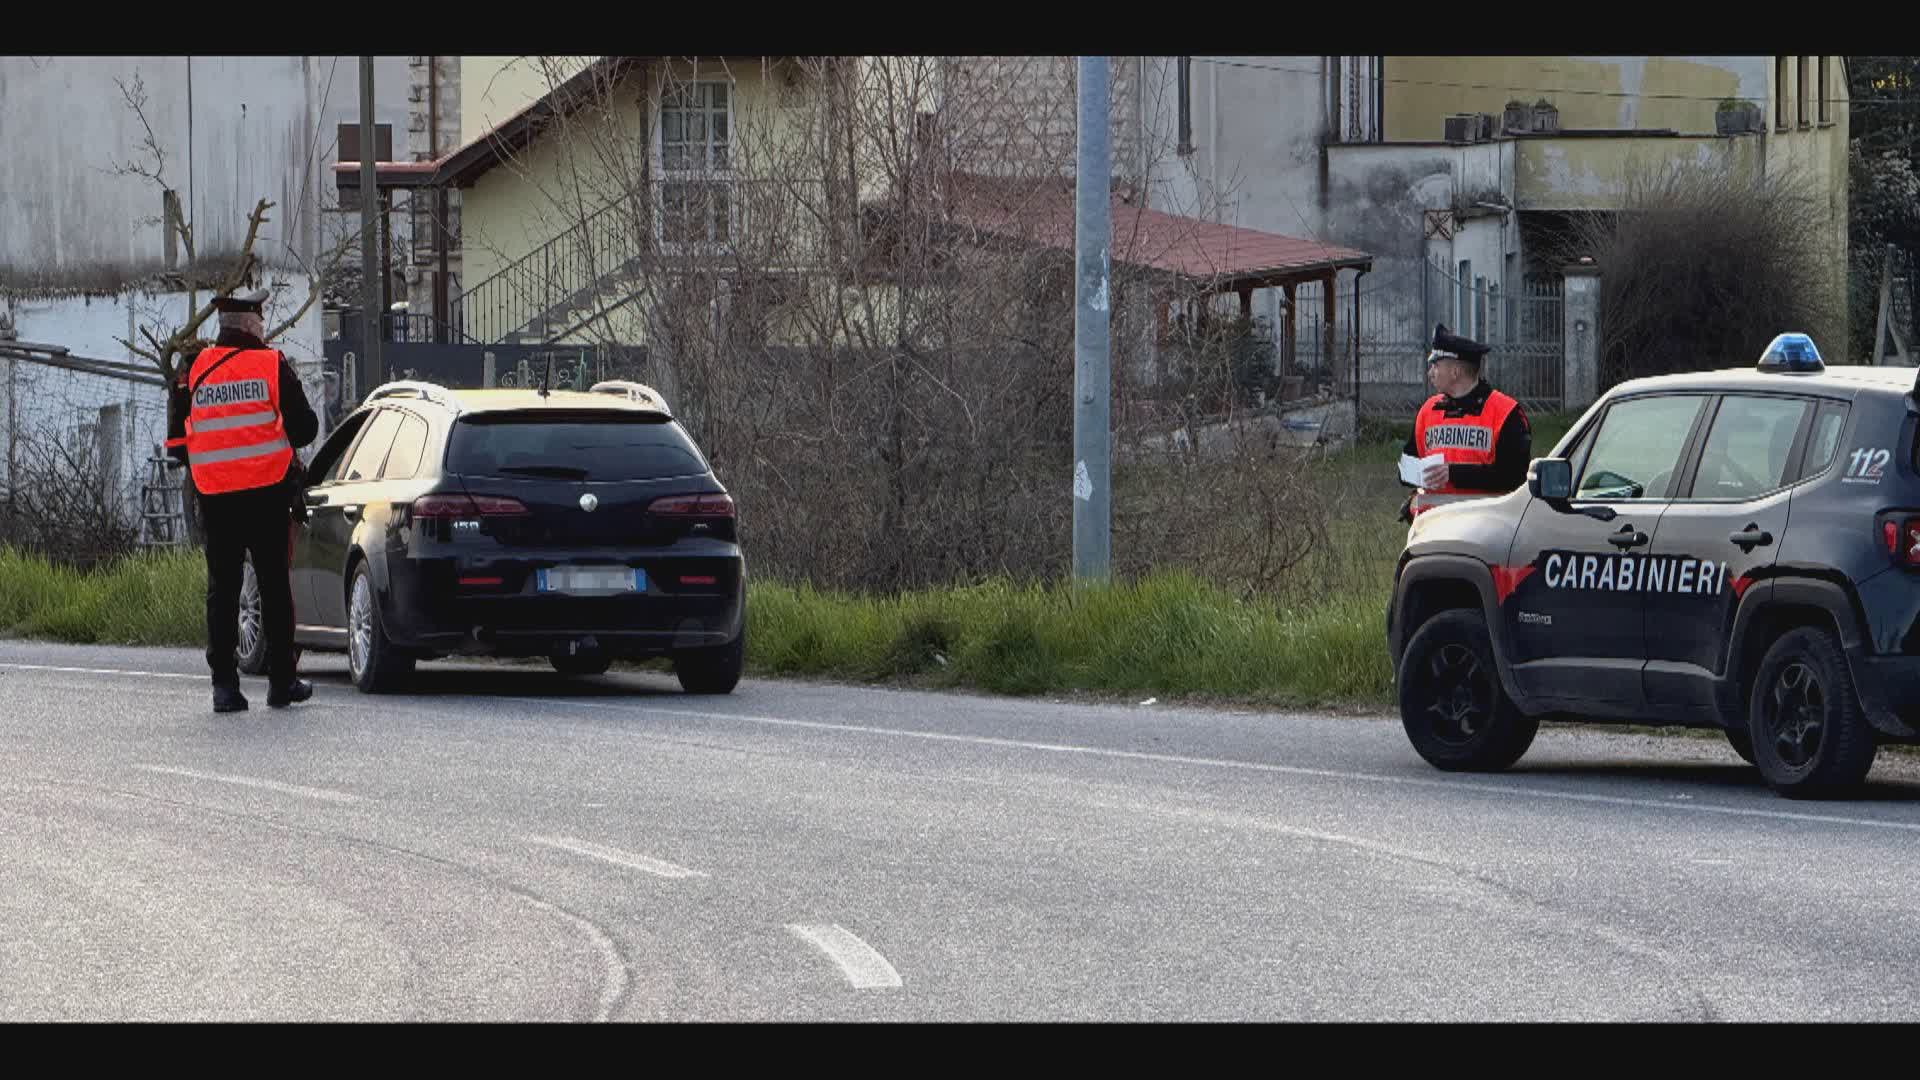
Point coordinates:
[[1461, 128], [1485, 129]]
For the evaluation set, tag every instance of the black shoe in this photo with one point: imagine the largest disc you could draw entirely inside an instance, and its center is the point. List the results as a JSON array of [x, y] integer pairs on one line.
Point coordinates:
[[229, 699], [279, 697]]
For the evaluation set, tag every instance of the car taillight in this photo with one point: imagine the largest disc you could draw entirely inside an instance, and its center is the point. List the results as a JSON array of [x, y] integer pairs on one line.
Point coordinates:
[[498, 505], [465, 506], [693, 506], [1901, 535]]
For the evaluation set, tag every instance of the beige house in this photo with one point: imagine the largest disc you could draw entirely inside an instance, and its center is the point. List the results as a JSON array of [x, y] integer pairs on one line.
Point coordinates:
[[598, 192], [1566, 132]]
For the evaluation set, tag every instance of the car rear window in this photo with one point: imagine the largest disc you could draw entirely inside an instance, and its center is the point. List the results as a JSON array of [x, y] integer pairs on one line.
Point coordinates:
[[572, 446]]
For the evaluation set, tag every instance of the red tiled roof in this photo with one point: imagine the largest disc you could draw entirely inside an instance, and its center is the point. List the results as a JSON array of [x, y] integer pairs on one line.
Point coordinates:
[[1192, 248]]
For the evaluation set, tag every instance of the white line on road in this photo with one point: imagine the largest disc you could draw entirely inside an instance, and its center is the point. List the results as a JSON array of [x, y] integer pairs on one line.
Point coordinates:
[[1509, 791], [1174, 759], [642, 863], [860, 962], [323, 794], [103, 671]]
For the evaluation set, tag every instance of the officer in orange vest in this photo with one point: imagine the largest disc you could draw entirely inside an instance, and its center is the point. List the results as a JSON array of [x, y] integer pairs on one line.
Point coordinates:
[[1482, 433], [245, 415]]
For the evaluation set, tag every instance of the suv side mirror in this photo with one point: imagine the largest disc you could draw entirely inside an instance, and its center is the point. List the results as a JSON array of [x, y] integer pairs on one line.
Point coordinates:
[[1550, 479]]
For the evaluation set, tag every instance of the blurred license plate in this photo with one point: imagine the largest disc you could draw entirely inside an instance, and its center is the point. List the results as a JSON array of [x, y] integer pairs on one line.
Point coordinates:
[[592, 579]]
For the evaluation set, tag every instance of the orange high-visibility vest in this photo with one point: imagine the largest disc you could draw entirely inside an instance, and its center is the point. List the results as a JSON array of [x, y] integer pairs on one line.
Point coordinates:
[[236, 440], [1463, 440]]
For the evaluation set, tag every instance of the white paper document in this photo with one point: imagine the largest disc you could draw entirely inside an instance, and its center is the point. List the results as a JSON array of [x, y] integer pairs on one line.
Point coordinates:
[[1413, 468]]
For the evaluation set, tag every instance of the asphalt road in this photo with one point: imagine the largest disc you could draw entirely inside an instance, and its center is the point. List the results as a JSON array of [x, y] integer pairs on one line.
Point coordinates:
[[508, 844]]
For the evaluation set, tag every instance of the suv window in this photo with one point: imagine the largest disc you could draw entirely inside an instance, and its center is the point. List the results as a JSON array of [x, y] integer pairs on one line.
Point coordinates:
[[572, 446], [404, 461], [1824, 441], [1638, 446], [1748, 447], [365, 463]]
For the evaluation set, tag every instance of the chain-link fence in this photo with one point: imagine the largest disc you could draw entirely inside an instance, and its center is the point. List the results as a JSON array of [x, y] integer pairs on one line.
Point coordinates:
[[75, 453]]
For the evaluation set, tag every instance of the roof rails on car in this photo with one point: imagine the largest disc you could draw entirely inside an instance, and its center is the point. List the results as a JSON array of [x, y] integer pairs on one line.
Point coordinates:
[[632, 391], [413, 388]]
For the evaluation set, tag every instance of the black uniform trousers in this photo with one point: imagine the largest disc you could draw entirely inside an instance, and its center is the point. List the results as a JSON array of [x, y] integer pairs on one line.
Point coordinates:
[[239, 524]]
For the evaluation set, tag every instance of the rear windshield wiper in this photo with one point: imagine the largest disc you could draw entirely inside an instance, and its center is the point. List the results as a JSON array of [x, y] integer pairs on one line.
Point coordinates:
[[558, 472]]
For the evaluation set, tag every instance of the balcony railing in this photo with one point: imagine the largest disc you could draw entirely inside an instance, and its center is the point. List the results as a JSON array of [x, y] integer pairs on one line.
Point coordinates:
[[671, 223]]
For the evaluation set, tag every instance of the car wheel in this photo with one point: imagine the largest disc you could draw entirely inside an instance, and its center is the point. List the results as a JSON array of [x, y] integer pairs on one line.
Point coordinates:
[[375, 664], [711, 671], [1741, 742], [1451, 703], [1810, 737], [250, 648], [582, 663]]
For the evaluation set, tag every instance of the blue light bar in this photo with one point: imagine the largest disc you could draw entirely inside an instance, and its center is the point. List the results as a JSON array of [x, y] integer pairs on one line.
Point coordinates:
[[1791, 353]]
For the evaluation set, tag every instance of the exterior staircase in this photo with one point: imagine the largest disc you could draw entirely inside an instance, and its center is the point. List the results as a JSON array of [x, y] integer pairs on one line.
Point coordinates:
[[597, 267]]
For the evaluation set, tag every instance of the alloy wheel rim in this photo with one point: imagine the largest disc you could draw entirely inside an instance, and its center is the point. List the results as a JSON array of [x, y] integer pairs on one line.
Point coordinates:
[[361, 617], [1461, 694], [249, 635], [1796, 715]]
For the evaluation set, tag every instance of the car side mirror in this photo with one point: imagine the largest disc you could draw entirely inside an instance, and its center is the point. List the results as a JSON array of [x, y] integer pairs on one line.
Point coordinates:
[[1550, 479]]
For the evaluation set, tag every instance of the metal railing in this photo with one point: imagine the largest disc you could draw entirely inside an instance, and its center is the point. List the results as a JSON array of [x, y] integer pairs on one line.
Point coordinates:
[[670, 223]]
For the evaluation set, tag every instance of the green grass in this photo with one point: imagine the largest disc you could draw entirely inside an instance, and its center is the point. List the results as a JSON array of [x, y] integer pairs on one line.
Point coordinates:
[[151, 599], [1166, 635], [1321, 641]]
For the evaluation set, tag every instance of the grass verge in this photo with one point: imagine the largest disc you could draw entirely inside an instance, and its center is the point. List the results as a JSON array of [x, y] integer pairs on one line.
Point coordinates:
[[1166, 635]]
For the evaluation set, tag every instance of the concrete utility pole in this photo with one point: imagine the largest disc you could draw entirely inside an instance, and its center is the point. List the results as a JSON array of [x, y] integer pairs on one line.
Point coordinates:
[[369, 199], [1092, 374]]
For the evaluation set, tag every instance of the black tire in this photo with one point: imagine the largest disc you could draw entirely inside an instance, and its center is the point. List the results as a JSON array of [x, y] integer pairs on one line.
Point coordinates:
[[711, 671], [250, 649], [1456, 713], [1810, 737], [585, 663], [1741, 742], [375, 664]]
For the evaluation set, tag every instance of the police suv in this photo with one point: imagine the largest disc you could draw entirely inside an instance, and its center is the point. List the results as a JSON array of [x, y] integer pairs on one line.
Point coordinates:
[[1733, 549]]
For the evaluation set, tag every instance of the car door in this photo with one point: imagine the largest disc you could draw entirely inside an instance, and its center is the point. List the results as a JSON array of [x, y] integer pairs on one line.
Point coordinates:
[[1720, 533], [1574, 618], [334, 511], [328, 461]]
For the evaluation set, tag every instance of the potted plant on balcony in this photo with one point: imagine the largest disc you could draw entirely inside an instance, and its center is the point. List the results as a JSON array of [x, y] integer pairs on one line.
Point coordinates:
[[1730, 117], [1546, 118], [1518, 118], [1735, 116]]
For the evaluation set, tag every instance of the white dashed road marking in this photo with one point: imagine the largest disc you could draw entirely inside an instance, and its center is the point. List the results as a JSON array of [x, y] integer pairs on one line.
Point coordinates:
[[323, 794], [644, 864], [863, 965]]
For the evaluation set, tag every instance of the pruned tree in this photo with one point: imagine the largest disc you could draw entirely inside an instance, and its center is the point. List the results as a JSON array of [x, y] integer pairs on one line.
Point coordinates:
[[171, 339], [853, 280]]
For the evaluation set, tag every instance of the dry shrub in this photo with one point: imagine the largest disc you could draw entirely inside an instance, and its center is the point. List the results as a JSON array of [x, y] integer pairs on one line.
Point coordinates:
[[60, 503], [1701, 267]]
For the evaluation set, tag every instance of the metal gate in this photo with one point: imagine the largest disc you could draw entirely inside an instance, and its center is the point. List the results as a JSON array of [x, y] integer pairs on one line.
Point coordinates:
[[1397, 316]]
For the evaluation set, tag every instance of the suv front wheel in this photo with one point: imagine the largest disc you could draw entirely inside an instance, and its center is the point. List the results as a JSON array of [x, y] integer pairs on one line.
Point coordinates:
[[1810, 738], [1451, 702]]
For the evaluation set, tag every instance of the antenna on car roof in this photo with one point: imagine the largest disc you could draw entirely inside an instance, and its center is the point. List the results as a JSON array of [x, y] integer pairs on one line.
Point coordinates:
[[546, 386]]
